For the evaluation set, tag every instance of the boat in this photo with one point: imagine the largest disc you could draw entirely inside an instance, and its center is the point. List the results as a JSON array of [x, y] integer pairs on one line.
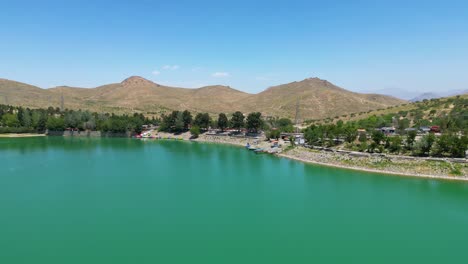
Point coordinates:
[[259, 150], [252, 148]]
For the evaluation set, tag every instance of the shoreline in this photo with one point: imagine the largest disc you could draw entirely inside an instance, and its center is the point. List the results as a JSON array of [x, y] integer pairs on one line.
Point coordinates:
[[306, 156], [290, 156], [18, 135], [368, 170]]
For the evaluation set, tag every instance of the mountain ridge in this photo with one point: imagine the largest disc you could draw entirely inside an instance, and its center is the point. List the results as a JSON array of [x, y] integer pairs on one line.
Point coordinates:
[[317, 98]]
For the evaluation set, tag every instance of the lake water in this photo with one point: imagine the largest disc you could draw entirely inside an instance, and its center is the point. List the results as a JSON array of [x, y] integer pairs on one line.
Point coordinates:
[[76, 200]]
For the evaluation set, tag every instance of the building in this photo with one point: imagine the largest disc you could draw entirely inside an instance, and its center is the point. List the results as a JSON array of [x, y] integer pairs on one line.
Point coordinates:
[[435, 129], [424, 129], [388, 130]]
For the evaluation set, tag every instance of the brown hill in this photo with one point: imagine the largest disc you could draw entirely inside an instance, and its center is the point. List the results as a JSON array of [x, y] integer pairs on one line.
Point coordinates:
[[317, 98]]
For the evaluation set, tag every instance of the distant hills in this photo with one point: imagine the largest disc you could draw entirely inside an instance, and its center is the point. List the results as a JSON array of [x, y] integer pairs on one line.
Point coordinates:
[[316, 98], [428, 96], [414, 96]]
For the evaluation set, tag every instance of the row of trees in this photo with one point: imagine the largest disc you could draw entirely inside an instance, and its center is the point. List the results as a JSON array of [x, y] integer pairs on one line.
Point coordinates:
[[180, 121], [20, 120]]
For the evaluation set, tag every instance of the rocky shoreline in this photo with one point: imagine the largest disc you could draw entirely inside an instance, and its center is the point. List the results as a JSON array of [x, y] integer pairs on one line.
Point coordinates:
[[417, 167], [414, 168]]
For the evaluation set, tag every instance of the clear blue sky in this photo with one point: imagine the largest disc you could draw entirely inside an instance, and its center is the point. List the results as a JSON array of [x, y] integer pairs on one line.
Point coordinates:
[[249, 45]]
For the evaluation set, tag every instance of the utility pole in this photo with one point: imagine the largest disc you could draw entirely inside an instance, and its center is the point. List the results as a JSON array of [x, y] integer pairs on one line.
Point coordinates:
[[297, 116], [62, 101]]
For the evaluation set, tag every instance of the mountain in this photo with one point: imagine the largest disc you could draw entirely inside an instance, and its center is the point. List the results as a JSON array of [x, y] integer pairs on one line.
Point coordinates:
[[428, 96], [425, 96], [317, 98]]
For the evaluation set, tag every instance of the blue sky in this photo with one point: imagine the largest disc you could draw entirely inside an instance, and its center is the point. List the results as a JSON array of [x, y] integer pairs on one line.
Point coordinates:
[[404, 46]]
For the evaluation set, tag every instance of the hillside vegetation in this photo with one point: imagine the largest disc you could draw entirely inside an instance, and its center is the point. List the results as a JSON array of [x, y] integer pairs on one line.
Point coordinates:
[[400, 130], [424, 113]]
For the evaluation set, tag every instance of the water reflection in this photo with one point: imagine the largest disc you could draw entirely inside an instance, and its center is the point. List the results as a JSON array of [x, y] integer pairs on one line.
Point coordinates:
[[25, 145]]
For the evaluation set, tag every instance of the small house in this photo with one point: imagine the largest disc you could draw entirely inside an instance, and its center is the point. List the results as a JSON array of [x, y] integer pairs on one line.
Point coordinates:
[[388, 130], [435, 129], [425, 129]]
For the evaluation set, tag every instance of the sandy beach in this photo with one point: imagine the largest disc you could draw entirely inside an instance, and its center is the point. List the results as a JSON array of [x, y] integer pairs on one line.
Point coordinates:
[[21, 135]]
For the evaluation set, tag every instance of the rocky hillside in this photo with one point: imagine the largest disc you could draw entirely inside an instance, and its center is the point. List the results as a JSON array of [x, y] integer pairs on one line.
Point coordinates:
[[317, 99]]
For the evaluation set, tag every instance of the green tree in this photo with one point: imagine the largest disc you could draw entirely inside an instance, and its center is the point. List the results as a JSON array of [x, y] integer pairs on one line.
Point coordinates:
[[350, 133], [27, 118], [313, 135], [378, 136], [202, 120], [403, 123], [195, 131], [35, 118], [10, 120], [424, 145], [285, 125], [179, 123], [237, 120], [167, 123], [395, 144], [363, 146], [21, 116], [273, 134], [42, 123], [254, 122], [55, 123], [410, 138], [223, 121], [459, 147], [441, 147], [187, 119], [362, 137]]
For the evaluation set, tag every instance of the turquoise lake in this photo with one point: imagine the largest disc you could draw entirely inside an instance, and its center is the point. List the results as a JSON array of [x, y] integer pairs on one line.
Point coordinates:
[[79, 200]]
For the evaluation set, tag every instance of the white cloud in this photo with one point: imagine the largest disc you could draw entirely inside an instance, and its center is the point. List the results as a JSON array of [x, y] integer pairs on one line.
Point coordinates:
[[220, 74], [171, 67], [156, 72]]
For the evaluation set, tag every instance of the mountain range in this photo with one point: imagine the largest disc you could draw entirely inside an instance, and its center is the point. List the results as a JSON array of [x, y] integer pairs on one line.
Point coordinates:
[[315, 98], [415, 95], [428, 96]]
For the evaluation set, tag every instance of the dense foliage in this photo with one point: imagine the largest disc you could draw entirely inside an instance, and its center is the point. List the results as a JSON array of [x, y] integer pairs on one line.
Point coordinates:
[[177, 122], [22, 120]]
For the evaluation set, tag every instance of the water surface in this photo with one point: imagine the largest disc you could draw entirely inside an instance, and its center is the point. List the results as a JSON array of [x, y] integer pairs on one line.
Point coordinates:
[[72, 200]]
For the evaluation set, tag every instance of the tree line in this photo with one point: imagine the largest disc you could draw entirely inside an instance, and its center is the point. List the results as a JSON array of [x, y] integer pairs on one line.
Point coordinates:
[[181, 121], [25, 120]]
